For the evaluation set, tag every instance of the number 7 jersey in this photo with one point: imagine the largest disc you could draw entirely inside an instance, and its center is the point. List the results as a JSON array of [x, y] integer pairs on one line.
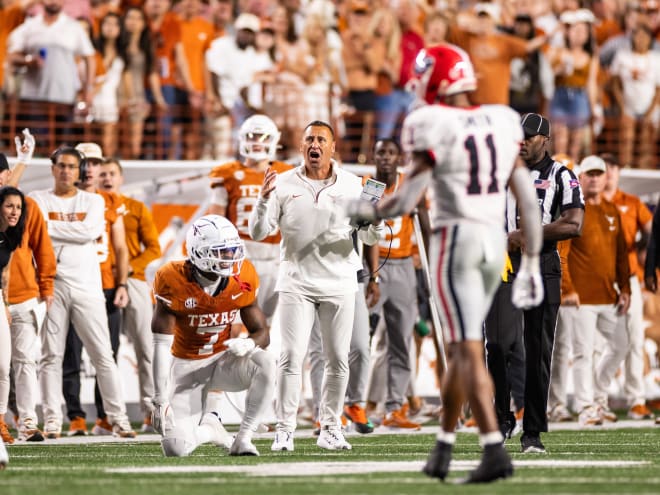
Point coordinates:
[[475, 149]]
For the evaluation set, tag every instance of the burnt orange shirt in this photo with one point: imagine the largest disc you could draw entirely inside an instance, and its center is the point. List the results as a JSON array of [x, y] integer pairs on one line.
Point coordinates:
[[634, 216], [196, 36], [203, 322], [491, 56], [33, 266], [597, 259], [10, 18], [166, 38], [141, 236], [243, 185], [106, 253]]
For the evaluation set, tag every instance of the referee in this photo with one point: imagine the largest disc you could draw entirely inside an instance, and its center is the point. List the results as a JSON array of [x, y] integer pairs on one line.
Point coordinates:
[[562, 210]]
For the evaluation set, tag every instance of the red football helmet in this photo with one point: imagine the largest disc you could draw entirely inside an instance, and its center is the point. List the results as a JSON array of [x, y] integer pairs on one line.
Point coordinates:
[[443, 70]]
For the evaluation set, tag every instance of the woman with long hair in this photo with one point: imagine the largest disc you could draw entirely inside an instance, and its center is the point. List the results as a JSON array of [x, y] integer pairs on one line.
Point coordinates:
[[12, 227]]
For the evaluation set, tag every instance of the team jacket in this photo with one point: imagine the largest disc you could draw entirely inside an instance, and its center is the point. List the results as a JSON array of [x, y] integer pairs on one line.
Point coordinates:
[[141, 236], [202, 322]]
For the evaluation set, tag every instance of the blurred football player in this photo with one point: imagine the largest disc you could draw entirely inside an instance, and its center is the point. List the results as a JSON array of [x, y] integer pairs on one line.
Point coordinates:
[[235, 188], [197, 300], [466, 155]]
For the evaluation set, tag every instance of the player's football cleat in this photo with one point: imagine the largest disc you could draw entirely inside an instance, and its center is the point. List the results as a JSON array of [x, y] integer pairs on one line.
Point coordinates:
[[495, 464], [437, 465], [559, 414], [398, 419], [102, 427], [52, 429], [640, 411], [123, 429], [358, 416], [317, 425], [607, 415], [29, 432], [531, 444], [589, 417], [220, 437], [147, 426], [243, 446], [4, 432], [283, 441], [78, 427], [4, 456], [331, 438]]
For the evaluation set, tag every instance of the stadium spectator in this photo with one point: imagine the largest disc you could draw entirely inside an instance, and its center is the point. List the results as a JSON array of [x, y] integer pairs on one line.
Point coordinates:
[[12, 226], [143, 248], [75, 221], [11, 16], [635, 219], [137, 50], [46, 46], [636, 91], [600, 294], [469, 223], [199, 357], [316, 277], [562, 210]]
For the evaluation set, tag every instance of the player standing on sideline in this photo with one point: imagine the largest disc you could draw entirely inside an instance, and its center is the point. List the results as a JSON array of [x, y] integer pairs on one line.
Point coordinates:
[[196, 301], [235, 188], [316, 276], [467, 154]]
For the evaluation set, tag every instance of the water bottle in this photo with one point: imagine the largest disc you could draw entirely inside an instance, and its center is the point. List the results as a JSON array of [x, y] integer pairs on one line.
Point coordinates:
[[81, 113]]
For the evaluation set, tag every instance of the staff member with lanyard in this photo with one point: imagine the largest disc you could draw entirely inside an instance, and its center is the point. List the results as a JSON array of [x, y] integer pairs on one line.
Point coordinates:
[[562, 210]]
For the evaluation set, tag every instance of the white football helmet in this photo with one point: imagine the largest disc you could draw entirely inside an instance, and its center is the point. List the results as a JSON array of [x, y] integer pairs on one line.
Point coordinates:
[[214, 246], [258, 138]]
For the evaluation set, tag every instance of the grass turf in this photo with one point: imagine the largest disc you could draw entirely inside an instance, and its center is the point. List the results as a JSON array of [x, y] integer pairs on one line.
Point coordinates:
[[84, 468]]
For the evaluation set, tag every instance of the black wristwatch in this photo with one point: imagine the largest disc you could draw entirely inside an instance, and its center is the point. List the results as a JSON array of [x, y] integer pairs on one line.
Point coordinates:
[[375, 279]]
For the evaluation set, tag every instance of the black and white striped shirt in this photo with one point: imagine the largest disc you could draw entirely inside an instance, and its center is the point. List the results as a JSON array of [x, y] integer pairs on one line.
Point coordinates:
[[557, 189]]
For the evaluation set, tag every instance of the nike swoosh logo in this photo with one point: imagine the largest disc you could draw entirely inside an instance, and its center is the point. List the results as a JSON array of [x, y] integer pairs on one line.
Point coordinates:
[[294, 196], [236, 296]]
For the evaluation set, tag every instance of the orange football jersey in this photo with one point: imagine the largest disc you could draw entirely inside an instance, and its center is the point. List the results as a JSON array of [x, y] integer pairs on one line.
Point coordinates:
[[243, 185], [203, 322], [401, 235], [113, 208]]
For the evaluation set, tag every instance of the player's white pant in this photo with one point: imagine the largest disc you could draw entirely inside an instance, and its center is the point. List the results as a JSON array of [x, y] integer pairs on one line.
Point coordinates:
[[26, 321], [561, 356], [137, 326], [591, 379], [296, 317], [466, 262], [5, 358], [633, 387], [191, 379], [86, 310]]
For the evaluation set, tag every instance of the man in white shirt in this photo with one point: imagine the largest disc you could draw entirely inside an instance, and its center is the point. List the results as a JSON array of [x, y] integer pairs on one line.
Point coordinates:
[[316, 276], [75, 221]]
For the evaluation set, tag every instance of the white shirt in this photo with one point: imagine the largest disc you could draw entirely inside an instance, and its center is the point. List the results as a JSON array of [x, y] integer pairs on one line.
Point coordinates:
[[475, 150], [60, 43], [640, 76], [318, 257], [74, 224]]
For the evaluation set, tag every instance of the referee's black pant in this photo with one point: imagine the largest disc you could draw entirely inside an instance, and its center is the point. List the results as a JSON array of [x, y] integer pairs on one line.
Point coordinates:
[[539, 336]]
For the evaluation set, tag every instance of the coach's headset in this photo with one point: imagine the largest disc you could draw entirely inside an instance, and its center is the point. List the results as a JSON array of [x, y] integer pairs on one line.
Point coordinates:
[[70, 150]]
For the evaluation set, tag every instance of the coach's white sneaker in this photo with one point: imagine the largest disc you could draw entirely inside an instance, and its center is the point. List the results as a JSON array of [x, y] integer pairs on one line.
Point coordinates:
[[283, 441], [4, 456], [219, 437], [332, 438], [243, 446]]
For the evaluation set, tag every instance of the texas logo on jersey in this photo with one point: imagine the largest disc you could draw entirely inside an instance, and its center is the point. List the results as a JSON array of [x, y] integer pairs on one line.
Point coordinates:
[[243, 185], [203, 322]]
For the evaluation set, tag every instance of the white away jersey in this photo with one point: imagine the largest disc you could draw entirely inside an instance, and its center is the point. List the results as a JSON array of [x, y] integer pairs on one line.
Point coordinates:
[[475, 150]]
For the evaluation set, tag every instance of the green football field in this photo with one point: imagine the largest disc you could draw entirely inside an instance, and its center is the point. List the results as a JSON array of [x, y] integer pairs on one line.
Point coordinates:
[[616, 461]]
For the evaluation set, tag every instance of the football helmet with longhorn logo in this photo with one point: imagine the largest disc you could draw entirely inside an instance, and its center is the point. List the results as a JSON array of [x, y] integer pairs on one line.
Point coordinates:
[[443, 70], [258, 138], [214, 246]]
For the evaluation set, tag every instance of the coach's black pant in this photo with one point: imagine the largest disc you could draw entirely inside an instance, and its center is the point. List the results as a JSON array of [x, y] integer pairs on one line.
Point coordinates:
[[73, 356], [539, 335], [503, 330]]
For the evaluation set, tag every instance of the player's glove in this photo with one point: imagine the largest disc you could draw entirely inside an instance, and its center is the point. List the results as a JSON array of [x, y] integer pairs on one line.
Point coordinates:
[[25, 148], [527, 290], [361, 212], [240, 346]]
